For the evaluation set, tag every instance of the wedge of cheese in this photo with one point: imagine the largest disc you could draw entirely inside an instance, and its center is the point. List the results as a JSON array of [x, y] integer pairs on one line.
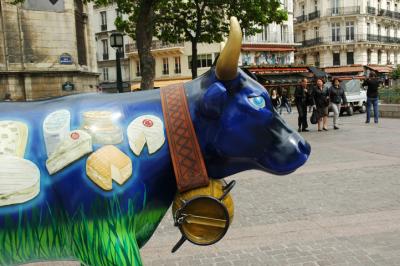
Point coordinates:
[[13, 138], [19, 180], [146, 129], [77, 144], [56, 127], [107, 164]]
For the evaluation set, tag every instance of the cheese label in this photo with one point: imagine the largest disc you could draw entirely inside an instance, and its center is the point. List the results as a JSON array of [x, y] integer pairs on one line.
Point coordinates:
[[146, 129]]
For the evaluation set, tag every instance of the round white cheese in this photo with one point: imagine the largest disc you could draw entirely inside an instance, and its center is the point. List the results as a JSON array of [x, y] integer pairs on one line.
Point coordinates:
[[56, 127], [19, 180]]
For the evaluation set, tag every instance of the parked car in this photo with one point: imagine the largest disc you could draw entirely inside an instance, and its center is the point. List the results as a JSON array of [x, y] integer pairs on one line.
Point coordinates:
[[356, 97]]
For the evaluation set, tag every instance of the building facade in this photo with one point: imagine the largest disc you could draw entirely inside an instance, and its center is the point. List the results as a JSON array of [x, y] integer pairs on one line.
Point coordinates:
[[274, 45], [347, 32], [104, 26], [47, 49]]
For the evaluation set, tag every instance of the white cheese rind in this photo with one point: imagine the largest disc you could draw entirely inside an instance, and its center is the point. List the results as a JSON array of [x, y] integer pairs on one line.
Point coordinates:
[[69, 150], [13, 138], [19, 180], [152, 134], [56, 127]]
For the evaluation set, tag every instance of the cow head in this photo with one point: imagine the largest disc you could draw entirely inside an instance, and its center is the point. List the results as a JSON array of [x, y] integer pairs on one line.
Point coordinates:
[[237, 125]]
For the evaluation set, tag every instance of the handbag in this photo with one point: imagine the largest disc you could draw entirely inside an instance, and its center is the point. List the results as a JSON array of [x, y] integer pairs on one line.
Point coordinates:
[[314, 117]]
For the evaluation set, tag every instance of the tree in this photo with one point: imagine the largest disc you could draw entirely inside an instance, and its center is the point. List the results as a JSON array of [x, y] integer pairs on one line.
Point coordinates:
[[396, 73], [206, 21]]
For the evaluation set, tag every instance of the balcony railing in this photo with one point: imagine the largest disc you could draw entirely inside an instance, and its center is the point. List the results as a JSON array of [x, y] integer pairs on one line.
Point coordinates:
[[343, 39], [371, 10], [389, 14], [103, 27], [155, 45], [314, 15], [301, 18], [348, 10]]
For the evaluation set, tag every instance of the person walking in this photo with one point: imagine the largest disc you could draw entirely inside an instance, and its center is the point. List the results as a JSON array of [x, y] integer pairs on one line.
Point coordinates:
[[372, 96], [321, 100], [285, 102], [302, 94], [275, 99], [336, 97]]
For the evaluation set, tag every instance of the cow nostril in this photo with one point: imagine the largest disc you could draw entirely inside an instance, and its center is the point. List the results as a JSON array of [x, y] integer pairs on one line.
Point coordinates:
[[305, 147]]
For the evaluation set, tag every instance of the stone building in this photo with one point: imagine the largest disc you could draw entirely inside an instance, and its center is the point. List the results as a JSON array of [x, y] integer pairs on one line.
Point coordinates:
[[47, 49], [347, 32], [104, 26]]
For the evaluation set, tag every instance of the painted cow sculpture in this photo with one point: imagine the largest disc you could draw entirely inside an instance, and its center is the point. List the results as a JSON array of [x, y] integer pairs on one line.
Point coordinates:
[[71, 216]]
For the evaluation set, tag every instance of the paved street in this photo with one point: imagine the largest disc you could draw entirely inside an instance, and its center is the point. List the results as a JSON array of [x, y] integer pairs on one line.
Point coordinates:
[[341, 208]]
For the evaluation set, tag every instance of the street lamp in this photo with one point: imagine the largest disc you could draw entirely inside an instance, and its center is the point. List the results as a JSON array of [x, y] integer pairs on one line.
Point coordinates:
[[117, 42]]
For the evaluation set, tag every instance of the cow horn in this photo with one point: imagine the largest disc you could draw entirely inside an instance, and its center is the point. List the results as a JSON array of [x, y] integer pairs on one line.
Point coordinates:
[[227, 63]]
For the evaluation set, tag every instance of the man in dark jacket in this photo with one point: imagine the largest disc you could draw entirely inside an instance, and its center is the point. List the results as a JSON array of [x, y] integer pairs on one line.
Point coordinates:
[[337, 97], [302, 94], [372, 96]]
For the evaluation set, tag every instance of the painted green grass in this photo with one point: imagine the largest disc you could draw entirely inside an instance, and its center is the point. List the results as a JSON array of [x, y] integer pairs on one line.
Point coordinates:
[[53, 235]]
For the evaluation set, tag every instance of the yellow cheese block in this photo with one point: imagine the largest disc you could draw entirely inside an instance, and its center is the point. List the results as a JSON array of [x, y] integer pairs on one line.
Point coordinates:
[[107, 164]]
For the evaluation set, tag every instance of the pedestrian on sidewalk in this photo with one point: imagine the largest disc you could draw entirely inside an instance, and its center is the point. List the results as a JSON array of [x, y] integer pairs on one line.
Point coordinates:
[[302, 95], [275, 99], [285, 102], [321, 100], [372, 84], [336, 97]]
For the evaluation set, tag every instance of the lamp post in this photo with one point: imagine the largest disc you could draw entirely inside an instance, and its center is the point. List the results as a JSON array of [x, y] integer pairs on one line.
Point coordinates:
[[117, 42]]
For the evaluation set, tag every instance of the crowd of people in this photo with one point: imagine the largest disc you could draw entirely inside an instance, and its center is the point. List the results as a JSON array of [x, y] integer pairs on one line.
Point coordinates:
[[320, 99]]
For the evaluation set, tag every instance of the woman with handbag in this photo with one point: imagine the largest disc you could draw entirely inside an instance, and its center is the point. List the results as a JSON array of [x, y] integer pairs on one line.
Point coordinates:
[[336, 97], [321, 100]]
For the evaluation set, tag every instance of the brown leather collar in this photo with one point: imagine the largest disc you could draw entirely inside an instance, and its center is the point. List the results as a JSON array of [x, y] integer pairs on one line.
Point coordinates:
[[187, 159]]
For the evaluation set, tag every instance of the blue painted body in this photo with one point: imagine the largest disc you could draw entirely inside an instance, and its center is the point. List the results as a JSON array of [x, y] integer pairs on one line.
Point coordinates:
[[236, 126]]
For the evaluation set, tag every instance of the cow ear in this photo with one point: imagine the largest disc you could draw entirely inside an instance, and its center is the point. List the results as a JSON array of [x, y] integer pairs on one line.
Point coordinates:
[[214, 100]]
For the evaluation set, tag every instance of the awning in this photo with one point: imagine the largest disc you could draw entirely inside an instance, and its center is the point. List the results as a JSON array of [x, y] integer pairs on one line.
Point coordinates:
[[381, 69], [161, 83], [266, 48], [344, 69], [279, 70], [318, 73]]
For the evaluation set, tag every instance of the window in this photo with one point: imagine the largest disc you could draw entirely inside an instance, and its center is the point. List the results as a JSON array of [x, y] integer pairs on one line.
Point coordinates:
[[316, 32], [105, 49], [368, 56], [350, 58], [316, 5], [368, 28], [304, 35], [335, 7], [118, 12], [379, 30], [388, 5], [178, 65], [285, 36], [336, 59], [203, 60], [316, 59], [395, 59], [138, 72], [335, 31], [303, 10], [349, 31], [165, 66], [388, 58], [395, 33], [103, 22], [379, 57], [105, 73], [395, 7], [266, 29]]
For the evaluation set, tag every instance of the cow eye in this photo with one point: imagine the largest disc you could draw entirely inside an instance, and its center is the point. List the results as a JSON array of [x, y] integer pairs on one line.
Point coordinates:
[[258, 102]]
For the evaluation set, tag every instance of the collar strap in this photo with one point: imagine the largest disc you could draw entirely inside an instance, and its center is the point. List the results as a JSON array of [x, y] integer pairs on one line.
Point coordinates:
[[187, 159]]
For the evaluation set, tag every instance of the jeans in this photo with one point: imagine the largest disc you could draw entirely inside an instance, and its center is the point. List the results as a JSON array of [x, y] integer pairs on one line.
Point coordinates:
[[336, 111], [374, 102], [288, 108], [302, 119]]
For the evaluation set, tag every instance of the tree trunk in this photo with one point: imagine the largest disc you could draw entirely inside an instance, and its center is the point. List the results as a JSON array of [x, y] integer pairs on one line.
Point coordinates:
[[194, 58], [144, 37]]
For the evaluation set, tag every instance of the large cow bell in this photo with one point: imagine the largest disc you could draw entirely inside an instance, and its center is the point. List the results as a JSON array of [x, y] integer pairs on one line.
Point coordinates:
[[203, 215]]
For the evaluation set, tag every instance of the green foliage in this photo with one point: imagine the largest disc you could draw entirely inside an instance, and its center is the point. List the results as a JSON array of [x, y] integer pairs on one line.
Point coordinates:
[[52, 235], [396, 73]]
